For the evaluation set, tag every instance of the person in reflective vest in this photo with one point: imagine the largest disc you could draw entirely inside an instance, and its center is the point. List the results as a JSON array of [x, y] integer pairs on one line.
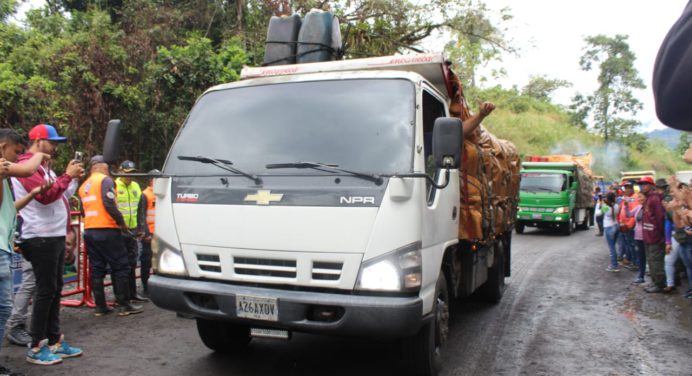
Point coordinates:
[[128, 194], [103, 237], [147, 205]]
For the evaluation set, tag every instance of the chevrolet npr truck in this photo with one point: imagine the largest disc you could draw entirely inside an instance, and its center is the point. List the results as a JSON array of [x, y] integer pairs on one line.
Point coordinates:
[[554, 195], [323, 198]]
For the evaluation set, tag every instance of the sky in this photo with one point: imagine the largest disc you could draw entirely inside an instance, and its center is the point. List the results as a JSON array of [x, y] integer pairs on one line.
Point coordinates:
[[550, 35]]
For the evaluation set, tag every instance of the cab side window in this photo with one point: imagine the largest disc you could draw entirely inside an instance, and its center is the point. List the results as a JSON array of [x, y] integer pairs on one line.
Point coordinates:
[[432, 109]]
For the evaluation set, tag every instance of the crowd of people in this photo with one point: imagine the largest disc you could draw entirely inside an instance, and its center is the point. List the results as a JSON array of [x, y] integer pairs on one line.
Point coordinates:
[[118, 221], [648, 230]]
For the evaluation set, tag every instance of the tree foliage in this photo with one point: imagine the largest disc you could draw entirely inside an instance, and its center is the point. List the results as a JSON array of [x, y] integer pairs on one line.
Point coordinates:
[[542, 87], [617, 79], [78, 63]]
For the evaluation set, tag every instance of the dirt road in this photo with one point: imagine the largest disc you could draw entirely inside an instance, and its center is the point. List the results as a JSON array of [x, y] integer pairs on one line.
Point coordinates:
[[562, 314]]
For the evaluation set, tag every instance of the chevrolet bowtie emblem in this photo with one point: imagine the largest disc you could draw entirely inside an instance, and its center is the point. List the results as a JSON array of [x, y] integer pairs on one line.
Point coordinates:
[[264, 197]]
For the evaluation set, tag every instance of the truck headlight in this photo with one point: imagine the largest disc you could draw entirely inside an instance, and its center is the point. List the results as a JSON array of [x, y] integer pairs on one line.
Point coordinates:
[[561, 210], [399, 270], [167, 259]]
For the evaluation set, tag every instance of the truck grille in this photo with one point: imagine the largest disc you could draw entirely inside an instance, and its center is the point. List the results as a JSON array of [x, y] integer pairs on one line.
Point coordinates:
[[265, 267], [209, 263], [326, 271]]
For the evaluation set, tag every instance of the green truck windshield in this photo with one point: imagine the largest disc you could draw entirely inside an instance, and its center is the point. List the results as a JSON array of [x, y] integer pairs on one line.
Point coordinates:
[[364, 125], [543, 182]]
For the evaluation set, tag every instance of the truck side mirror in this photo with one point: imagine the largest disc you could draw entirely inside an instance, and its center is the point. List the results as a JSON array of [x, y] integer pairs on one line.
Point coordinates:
[[111, 145], [447, 142]]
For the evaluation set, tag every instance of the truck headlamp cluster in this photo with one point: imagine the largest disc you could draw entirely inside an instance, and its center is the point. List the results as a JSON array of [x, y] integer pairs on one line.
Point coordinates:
[[396, 271], [167, 259], [562, 210]]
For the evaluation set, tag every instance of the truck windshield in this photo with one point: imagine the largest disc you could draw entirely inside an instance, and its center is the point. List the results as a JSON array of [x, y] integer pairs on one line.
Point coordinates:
[[364, 125], [542, 182]]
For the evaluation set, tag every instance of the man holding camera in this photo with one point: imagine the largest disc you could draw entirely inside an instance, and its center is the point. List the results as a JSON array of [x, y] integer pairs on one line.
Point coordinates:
[[42, 241]]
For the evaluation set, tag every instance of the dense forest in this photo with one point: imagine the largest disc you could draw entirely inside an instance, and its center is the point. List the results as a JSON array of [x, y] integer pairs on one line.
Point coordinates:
[[78, 63]]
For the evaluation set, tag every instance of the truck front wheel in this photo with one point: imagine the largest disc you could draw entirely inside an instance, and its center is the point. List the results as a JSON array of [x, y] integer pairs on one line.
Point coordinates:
[[519, 227], [223, 336], [424, 349]]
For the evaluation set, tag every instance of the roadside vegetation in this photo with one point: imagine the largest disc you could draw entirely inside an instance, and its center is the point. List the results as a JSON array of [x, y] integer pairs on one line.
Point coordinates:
[[538, 127]]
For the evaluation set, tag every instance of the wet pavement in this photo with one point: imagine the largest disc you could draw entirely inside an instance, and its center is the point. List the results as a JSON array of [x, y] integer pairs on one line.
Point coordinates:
[[562, 314]]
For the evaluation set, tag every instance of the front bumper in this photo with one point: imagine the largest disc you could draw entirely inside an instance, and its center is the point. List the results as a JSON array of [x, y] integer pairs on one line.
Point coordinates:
[[369, 316], [542, 217]]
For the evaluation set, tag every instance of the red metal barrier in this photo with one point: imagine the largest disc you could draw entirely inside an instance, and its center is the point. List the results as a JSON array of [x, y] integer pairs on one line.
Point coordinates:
[[82, 282]]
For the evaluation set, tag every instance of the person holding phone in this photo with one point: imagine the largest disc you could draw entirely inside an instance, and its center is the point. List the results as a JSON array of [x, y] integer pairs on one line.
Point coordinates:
[[42, 242]]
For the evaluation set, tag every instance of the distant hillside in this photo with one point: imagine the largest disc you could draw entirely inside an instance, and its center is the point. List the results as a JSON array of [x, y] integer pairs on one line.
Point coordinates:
[[537, 128], [670, 136]]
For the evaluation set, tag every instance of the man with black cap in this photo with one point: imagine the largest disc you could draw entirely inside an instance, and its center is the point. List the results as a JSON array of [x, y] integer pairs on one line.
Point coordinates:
[[653, 231], [662, 188], [103, 224], [128, 194]]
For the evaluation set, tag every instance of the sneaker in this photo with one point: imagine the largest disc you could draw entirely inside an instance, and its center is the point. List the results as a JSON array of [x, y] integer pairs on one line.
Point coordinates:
[[18, 336], [638, 281], [4, 371], [668, 289], [625, 262], [100, 311], [654, 289], [64, 350], [42, 355], [611, 268]]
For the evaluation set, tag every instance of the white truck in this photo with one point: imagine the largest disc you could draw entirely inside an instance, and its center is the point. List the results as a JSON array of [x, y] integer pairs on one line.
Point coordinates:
[[301, 198]]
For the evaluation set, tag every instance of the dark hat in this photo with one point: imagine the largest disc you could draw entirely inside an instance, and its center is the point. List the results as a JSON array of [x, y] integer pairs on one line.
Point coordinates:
[[661, 183], [96, 159], [128, 166], [45, 132]]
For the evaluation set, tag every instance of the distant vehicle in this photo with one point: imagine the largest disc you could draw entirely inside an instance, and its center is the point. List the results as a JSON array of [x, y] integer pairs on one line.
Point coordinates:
[[636, 175], [684, 176], [555, 195]]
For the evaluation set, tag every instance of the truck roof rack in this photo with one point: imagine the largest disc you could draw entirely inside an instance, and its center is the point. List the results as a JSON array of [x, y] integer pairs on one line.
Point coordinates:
[[434, 67]]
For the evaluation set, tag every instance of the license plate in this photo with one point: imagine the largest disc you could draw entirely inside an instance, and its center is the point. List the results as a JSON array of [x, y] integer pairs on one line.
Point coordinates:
[[536, 216], [252, 307]]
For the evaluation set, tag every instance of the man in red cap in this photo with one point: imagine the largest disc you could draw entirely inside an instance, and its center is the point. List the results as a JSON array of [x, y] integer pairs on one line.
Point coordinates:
[[43, 231], [653, 220]]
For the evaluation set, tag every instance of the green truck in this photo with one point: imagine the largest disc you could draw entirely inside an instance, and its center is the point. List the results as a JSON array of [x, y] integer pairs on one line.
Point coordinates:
[[554, 195]]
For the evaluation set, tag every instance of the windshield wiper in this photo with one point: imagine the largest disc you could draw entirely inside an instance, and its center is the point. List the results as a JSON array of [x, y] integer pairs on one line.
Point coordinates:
[[377, 179], [222, 164]]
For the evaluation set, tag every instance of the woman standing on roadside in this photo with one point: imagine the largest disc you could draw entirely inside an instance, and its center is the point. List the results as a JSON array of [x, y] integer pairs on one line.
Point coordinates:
[[610, 227], [640, 254]]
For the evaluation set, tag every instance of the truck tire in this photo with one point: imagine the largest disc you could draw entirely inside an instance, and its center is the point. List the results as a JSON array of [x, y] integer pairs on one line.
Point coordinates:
[[519, 227], [223, 336], [584, 225], [493, 289], [567, 228], [423, 350]]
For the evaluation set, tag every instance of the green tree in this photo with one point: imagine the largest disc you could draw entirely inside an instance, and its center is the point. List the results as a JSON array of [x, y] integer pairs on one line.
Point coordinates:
[[542, 87], [617, 80], [684, 143]]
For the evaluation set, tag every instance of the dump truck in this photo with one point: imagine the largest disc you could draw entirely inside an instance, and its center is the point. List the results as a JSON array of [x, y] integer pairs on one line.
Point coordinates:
[[335, 197], [556, 193]]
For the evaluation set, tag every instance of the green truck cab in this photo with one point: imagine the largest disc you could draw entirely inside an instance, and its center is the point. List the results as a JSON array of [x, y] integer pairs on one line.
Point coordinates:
[[554, 195]]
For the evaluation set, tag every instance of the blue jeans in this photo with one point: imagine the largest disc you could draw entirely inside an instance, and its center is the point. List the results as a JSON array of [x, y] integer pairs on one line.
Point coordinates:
[[611, 234], [641, 256], [686, 255], [627, 246], [5, 290], [670, 260]]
